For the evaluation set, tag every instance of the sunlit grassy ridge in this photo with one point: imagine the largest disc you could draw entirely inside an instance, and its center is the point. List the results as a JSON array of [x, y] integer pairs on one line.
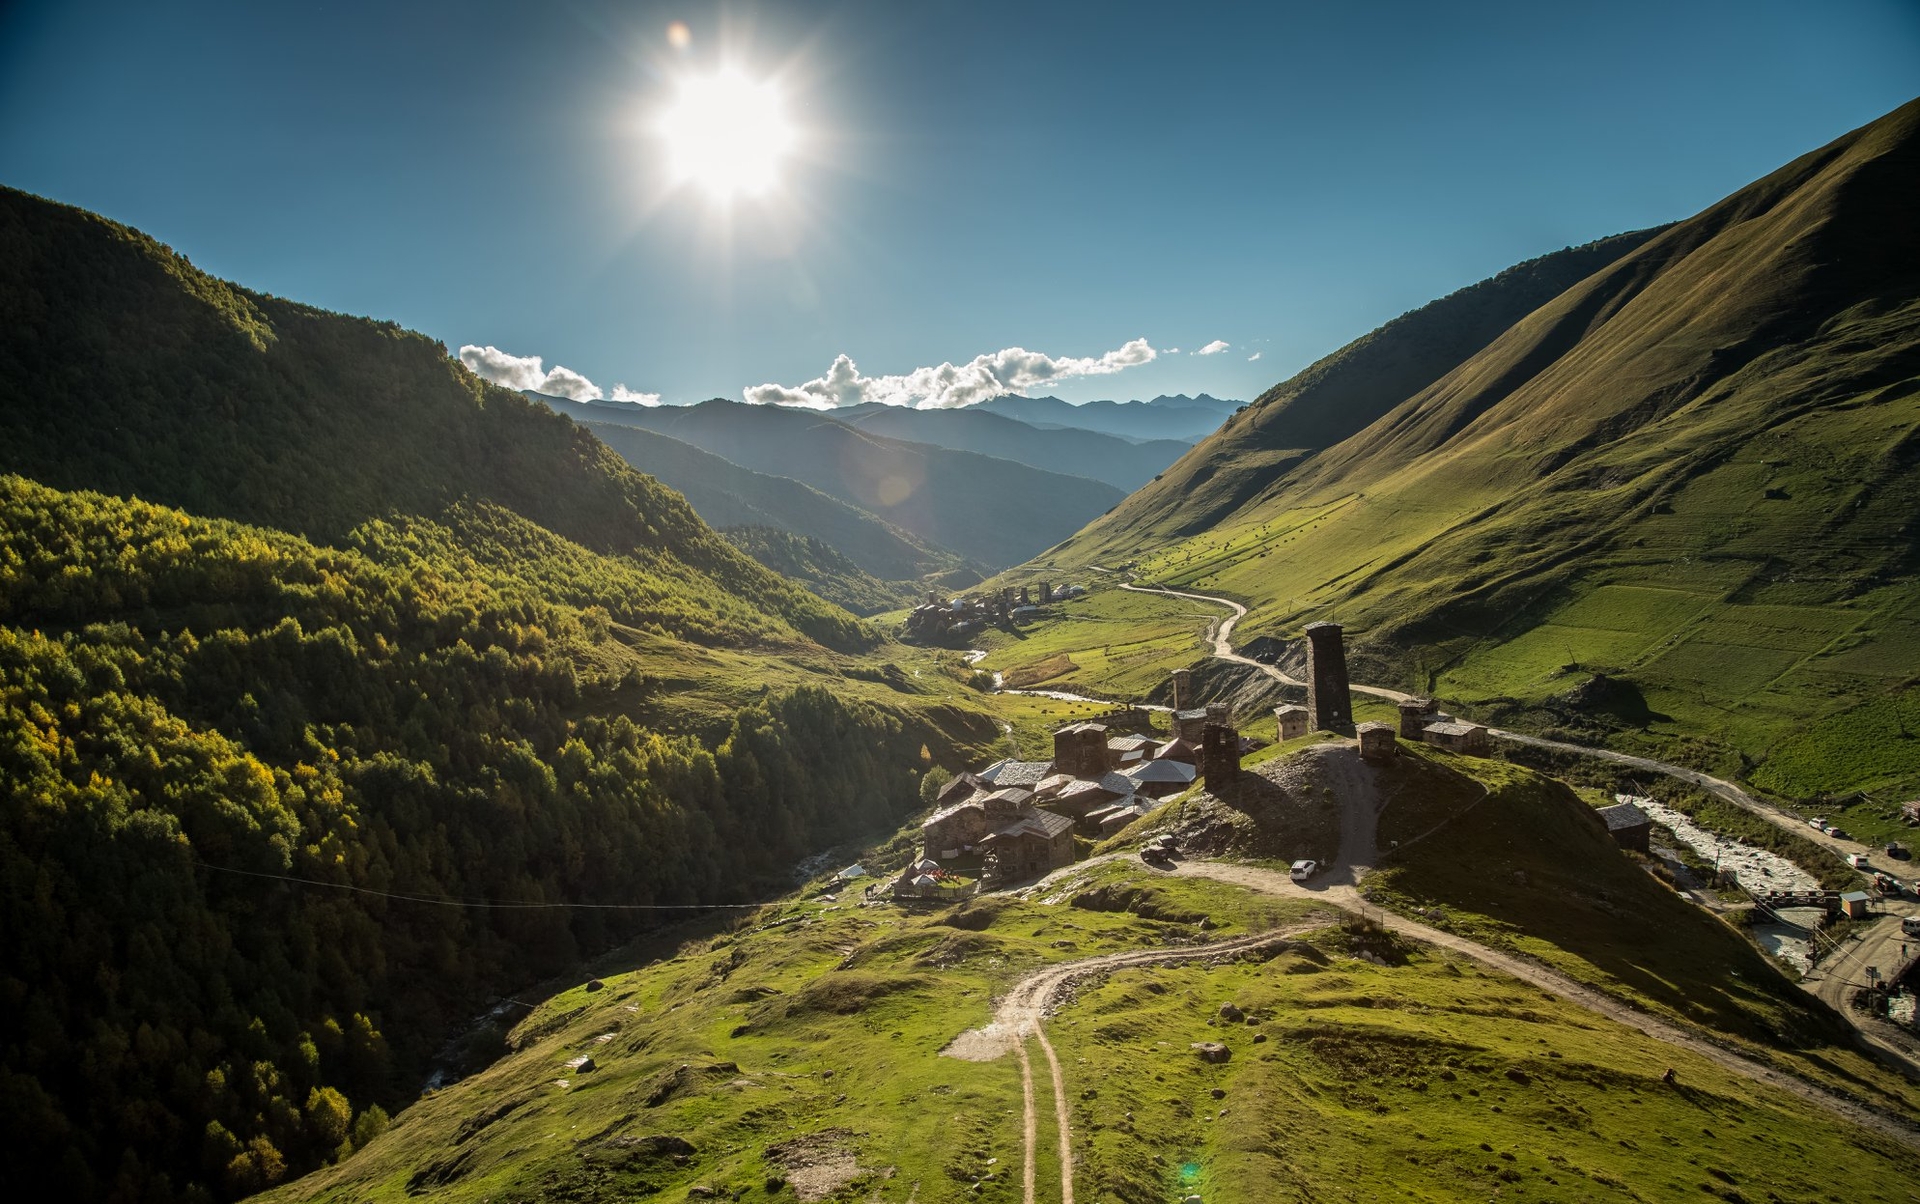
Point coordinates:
[[1696, 468]]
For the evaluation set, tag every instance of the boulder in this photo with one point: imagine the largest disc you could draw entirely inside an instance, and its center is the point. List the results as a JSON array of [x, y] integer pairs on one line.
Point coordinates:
[[1210, 1051], [1230, 1012]]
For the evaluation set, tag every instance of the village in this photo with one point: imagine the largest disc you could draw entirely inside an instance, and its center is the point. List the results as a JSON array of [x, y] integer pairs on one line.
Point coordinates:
[[937, 619], [1015, 821]]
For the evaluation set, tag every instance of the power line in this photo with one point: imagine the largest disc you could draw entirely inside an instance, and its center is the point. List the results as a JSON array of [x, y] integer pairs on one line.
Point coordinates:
[[481, 903]]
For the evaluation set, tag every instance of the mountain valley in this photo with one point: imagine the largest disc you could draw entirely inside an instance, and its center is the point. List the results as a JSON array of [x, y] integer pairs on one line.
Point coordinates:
[[416, 787]]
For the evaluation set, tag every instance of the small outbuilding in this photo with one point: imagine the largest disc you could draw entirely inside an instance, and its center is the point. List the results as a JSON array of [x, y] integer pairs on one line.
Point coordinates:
[[1630, 827], [1292, 720], [1377, 742], [1853, 904]]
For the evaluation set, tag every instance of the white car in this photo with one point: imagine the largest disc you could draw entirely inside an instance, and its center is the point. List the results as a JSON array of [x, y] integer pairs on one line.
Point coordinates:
[[1818, 823], [1303, 870]]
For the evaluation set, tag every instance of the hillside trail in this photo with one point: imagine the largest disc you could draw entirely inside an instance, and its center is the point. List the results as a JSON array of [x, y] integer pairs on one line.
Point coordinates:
[[1023, 1010], [1885, 1041], [1220, 640]]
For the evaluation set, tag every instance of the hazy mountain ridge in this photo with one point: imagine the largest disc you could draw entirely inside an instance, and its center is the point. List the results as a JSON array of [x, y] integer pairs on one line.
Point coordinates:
[[985, 508], [1124, 463], [727, 495], [1176, 416]]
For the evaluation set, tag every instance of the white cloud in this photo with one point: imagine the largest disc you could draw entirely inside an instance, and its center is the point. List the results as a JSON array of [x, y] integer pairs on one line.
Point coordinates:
[[1214, 348], [622, 393], [1012, 370], [526, 372], [1256, 355], [1171, 351]]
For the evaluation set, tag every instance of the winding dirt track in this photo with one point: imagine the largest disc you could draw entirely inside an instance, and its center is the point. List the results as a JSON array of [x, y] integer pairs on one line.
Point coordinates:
[[1023, 1010], [1887, 1043]]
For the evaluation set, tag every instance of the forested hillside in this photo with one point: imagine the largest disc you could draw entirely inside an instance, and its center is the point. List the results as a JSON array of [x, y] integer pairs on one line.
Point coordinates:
[[130, 371], [438, 698]]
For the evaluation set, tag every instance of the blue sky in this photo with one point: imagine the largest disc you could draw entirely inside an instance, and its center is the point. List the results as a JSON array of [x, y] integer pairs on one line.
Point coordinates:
[[970, 178]]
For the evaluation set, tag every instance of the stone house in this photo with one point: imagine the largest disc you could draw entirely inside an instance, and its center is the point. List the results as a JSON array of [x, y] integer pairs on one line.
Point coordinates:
[[1037, 843], [1470, 738]]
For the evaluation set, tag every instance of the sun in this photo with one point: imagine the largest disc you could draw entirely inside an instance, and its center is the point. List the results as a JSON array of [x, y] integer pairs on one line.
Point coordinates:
[[726, 134]]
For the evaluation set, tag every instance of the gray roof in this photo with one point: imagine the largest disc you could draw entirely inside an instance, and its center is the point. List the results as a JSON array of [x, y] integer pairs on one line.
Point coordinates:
[[1193, 713], [1454, 729], [1016, 773], [1163, 771], [1372, 726], [1118, 785], [1621, 815], [1038, 823], [1083, 726]]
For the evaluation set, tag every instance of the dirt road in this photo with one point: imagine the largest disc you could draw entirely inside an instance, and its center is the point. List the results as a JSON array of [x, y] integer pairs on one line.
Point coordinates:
[[1220, 637], [1890, 1044], [1021, 1011]]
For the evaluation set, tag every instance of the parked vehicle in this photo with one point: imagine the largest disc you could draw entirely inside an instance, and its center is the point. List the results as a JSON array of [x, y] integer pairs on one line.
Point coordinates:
[[1818, 823], [1303, 869], [1858, 861], [1910, 926], [1838, 833]]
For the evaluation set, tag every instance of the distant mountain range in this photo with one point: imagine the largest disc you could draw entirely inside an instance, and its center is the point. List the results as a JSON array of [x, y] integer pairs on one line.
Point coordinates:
[[1175, 416], [992, 510], [1124, 463], [867, 552]]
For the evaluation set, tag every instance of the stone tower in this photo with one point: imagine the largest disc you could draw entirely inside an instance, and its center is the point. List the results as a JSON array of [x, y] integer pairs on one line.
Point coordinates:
[[1327, 697], [1182, 689], [1219, 757]]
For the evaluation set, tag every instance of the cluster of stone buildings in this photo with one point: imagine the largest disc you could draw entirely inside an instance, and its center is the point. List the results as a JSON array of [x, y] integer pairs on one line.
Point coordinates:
[[944, 618], [1017, 819]]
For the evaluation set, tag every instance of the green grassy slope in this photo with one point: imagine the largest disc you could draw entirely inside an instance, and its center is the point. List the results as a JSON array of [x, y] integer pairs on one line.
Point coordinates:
[[1339, 395], [987, 509], [1370, 1070], [1695, 469], [727, 495]]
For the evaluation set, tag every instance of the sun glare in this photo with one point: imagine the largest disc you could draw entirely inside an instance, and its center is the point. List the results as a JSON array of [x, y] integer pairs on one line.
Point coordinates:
[[726, 134]]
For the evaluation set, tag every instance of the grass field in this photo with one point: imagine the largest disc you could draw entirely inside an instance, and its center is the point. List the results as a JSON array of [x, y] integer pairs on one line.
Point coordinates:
[[730, 1055]]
